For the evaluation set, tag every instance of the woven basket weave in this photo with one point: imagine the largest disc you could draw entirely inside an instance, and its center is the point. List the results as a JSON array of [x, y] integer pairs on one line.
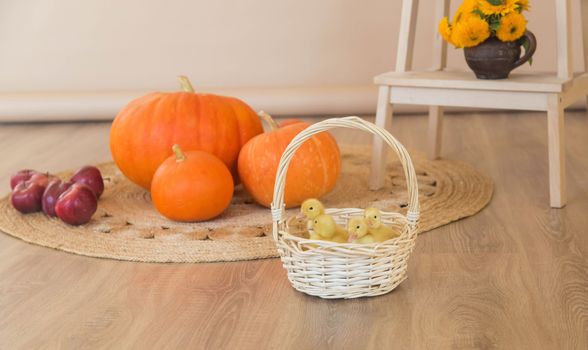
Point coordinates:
[[345, 270]]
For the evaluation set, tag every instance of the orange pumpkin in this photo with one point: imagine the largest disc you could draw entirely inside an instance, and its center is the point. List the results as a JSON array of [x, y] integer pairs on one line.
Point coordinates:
[[194, 186], [144, 131], [286, 122], [312, 173]]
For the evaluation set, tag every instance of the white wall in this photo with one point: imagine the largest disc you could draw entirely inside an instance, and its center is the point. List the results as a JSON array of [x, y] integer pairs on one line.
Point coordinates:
[[55, 50]]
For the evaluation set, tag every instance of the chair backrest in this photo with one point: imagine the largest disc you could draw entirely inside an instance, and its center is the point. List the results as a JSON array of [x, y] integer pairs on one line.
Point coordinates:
[[563, 23], [408, 18], [563, 14]]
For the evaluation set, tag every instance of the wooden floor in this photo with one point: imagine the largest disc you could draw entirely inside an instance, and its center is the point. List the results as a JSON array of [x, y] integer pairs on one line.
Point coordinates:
[[515, 276]]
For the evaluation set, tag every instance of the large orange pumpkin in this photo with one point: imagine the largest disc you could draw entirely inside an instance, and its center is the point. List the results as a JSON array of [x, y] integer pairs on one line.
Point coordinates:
[[142, 134], [312, 173]]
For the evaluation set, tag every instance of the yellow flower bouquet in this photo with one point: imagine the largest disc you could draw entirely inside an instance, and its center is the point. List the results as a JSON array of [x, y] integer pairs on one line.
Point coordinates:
[[497, 24]]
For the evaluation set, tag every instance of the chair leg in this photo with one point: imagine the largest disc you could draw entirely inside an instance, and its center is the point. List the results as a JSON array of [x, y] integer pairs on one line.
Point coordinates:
[[435, 132], [556, 148], [379, 150]]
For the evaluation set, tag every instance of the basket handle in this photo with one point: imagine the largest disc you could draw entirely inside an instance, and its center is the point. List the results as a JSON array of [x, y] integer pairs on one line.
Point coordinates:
[[278, 206]]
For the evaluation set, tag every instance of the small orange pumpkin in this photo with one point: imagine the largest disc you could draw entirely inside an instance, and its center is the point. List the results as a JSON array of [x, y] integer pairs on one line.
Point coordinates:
[[194, 186], [144, 131], [284, 122], [312, 173]]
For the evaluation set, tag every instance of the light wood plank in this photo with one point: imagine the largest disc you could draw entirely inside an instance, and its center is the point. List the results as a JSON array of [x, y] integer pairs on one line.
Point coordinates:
[[583, 5], [563, 19], [406, 34], [379, 149], [455, 79], [527, 101], [557, 153], [435, 132], [440, 45]]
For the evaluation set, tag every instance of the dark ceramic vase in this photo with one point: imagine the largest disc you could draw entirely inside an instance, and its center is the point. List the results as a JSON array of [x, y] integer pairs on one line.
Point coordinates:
[[494, 59]]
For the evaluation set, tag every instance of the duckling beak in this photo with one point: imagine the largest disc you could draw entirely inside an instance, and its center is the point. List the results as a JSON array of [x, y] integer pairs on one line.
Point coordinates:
[[351, 238], [300, 215]]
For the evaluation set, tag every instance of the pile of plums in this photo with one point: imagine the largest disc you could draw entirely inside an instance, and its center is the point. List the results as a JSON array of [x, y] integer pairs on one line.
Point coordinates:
[[73, 201]]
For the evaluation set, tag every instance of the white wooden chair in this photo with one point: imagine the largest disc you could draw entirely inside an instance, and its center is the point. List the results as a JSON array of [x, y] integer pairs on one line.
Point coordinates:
[[441, 87]]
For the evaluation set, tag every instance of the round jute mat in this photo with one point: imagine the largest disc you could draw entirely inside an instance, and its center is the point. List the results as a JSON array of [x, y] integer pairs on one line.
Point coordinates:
[[127, 227]]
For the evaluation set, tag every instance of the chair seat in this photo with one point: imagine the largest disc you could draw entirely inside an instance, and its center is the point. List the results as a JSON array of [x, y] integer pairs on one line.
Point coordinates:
[[545, 82]]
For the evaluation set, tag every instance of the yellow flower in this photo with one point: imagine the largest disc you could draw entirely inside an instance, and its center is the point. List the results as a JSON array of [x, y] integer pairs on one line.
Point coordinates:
[[456, 38], [497, 7], [512, 27], [465, 10], [524, 5], [445, 30], [470, 32]]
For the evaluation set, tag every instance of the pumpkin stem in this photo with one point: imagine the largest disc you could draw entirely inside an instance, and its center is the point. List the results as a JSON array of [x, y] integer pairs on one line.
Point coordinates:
[[180, 156], [186, 84], [269, 120]]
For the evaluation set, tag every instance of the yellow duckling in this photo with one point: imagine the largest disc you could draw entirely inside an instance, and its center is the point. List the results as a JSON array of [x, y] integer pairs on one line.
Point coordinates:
[[311, 208], [379, 231], [358, 231], [297, 227], [326, 229]]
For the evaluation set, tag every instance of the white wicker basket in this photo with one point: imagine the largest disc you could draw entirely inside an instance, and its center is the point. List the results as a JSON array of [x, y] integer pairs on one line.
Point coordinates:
[[335, 270]]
